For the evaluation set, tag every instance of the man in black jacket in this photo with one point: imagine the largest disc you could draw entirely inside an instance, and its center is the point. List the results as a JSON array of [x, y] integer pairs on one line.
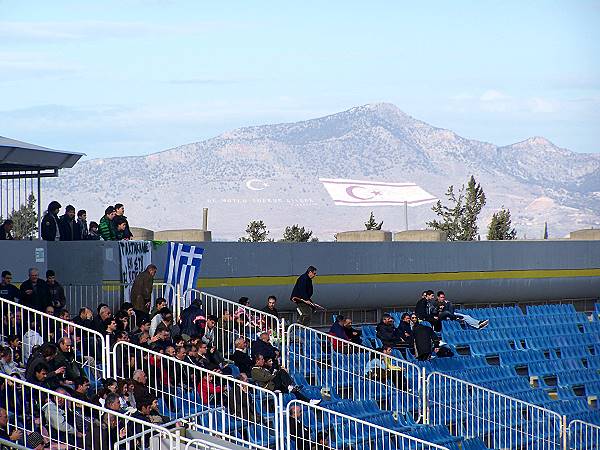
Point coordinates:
[[302, 296], [125, 234], [426, 309], [50, 223], [427, 342], [387, 333], [8, 290], [57, 292], [240, 356], [34, 292], [5, 230], [69, 230]]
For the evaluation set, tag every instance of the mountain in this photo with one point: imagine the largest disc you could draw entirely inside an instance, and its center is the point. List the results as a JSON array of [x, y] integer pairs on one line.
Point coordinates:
[[271, 173]]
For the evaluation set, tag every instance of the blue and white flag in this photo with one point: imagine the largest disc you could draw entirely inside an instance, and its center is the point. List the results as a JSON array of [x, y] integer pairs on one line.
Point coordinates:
[[183, 267]]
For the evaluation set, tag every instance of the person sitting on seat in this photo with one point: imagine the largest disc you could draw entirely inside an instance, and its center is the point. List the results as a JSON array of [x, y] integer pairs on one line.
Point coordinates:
[[387, 333], [61, 425], [277, 380], [445, 310], [240, 357], [354, 334]]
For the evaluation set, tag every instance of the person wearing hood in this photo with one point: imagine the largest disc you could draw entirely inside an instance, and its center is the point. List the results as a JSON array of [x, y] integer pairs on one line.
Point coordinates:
[[50, 228], [69, 230], [126, 234], [193, 319]]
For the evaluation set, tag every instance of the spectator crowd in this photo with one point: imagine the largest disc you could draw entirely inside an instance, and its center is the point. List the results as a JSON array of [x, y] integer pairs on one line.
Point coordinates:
[[47, 357], [112, 226]]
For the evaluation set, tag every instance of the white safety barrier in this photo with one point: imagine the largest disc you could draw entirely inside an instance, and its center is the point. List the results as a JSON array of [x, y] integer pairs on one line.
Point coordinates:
[[34, 328], [250, 415], [500, 421], [314, 427], [112, 294], [583, 436], [340, 366], [236, 320], [67, 423]]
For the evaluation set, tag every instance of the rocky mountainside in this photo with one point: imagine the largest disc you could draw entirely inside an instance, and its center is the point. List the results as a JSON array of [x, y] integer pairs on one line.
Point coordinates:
[[271, 173]]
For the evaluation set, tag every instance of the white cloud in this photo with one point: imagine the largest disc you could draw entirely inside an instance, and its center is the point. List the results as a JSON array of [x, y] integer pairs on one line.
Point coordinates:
[[543, 105], [493, 95], [15, 66], [45, 31]]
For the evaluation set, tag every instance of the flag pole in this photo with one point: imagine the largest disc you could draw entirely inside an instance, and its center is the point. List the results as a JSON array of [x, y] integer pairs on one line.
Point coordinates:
[[406, 216]]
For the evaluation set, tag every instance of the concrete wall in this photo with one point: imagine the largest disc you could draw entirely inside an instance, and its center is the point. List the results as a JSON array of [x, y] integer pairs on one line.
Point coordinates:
[[19, 256], [589, 234], [364, 236], [421, 235], [191, 235], [352, 275]]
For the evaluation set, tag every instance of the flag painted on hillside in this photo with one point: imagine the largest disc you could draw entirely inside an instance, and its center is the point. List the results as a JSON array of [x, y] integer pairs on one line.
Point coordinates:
[[183, 267], [375, 193]]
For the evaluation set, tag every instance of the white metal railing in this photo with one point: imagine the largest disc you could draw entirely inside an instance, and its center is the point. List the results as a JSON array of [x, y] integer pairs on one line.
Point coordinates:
[[583, 436], [339, 365], [500, 421], [236, 320], [33, 328], [251, 415], [67, 423], [310, 426], [112, 294]]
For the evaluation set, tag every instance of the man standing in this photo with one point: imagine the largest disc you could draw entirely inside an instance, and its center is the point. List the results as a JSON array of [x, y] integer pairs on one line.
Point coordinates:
[[69, 231], [56, 291], [106, 228], [120, 212], [302, 294], [8, 290], [141, 291], [34, 292], [5, 230], [50, 223], [82, 224], [270, 307]]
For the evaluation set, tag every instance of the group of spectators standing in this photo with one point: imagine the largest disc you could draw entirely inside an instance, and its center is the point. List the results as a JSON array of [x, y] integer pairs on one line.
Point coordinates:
[[113, 225]]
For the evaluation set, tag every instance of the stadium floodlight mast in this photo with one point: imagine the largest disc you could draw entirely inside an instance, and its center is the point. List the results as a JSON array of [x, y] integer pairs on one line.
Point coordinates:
[[345, 192]]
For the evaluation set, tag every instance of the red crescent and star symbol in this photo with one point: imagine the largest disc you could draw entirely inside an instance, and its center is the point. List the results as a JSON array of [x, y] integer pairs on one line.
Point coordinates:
[[368, 195]]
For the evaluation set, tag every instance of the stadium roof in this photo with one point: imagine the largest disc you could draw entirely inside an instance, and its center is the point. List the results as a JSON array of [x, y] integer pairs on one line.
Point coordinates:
[[18, 156]]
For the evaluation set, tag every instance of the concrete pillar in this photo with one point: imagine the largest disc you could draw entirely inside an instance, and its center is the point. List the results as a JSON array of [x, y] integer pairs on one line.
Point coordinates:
[[142, 234], [590, 234], [421, 235], [204, 219], [364, 236]]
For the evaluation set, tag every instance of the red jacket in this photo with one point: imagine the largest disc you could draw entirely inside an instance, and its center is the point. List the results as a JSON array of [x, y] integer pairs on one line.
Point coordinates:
[[206, 389]]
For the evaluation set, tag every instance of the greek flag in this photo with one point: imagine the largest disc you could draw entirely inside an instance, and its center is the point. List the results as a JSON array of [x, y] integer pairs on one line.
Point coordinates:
[[183, 267]]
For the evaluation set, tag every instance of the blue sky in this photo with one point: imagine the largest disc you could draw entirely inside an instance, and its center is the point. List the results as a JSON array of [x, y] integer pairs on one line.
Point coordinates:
[[132, 77]]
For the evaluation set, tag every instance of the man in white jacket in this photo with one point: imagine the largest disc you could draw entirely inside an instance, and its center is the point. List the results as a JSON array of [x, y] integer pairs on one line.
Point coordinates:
[[61, 425]]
